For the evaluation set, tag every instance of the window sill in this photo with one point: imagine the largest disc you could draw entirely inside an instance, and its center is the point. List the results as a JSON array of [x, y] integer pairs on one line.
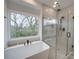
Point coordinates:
[[22, 40]]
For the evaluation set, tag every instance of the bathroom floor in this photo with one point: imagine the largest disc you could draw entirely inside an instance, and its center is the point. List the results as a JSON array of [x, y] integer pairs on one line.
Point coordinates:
[[60, 51], [71, 57]]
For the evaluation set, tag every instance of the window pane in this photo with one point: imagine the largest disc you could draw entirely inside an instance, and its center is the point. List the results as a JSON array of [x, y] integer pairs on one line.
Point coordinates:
[[49, 28], [23, 25]]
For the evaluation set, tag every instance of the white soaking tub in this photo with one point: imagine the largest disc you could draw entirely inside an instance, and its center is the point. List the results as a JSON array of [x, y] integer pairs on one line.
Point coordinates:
[[37, 50]]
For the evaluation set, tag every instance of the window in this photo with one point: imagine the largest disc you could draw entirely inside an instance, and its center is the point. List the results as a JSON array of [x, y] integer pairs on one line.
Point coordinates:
[[49, 27], [23, 25]]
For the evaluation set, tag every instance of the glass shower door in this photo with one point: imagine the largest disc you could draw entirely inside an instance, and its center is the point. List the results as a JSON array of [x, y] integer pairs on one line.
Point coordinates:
[[65, 37], [70, 34], [62, 38], [49, 35], [59, 36]]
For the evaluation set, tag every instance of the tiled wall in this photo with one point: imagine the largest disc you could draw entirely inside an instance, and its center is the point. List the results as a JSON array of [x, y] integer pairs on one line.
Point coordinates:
[[64, 46]]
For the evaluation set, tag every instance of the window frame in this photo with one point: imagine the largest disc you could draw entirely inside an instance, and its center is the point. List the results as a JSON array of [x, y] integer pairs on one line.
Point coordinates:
[[25, 37]]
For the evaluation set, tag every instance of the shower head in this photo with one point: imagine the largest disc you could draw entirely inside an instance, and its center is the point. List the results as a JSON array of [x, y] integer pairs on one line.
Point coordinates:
[[62, 17], [58, 10]]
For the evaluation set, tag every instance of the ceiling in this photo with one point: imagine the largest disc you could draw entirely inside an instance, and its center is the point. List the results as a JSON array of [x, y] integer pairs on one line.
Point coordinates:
[[63, 3], [27, 3]]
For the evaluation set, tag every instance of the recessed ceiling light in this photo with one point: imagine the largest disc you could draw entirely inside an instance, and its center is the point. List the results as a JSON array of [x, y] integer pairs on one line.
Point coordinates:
[[55, 2], [54, 6]]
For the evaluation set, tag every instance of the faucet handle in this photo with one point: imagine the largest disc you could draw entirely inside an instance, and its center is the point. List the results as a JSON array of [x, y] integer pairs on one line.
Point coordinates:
[[28, 42]]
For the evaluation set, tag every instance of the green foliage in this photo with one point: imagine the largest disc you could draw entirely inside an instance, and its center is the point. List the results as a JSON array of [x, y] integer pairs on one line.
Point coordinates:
[[30, 31], [17, 30]]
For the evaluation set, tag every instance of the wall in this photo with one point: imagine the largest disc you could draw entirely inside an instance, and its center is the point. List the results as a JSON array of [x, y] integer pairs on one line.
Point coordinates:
[[48, 11], [67, 23], [38, 10], [6, 31]]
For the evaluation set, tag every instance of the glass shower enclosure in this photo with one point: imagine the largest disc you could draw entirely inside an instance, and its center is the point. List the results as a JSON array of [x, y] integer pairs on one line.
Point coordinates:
[[58, 34], [50, 35]]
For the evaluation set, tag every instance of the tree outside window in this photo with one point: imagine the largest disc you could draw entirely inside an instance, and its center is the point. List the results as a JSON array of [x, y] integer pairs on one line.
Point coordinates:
[[23, 25]]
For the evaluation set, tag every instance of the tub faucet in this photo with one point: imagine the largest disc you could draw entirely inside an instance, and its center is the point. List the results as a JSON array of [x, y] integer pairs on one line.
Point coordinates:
[[28, 42]]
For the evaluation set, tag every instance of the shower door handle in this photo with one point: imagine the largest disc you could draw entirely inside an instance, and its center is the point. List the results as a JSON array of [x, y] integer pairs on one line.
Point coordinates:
[[68, 34]]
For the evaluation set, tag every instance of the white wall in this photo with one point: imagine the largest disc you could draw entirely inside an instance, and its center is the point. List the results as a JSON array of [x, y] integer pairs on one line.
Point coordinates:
[[5, 25], [49, 12]]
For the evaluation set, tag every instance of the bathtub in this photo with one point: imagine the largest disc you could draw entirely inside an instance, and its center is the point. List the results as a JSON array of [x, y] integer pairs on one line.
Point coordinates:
[[37, 50]]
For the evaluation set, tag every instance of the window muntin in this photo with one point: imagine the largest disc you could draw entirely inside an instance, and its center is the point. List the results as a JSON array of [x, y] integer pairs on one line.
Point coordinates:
[[23, 25]]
